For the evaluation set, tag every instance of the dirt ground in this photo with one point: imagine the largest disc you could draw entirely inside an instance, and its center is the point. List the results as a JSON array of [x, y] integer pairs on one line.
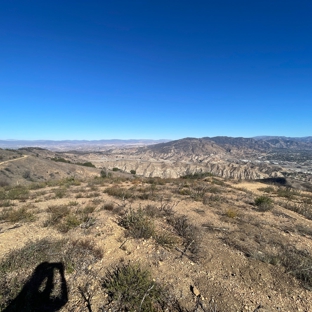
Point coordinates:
[[239, 263]]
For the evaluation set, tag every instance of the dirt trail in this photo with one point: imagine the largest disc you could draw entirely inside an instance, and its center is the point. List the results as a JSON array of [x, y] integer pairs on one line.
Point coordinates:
[[4, 162]]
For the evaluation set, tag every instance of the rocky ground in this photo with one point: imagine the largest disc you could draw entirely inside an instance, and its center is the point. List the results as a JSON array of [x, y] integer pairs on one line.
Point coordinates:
[[198, 244]]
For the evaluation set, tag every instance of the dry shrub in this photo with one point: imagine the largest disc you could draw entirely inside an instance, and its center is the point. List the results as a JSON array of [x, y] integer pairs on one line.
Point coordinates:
[[231, 213], [17, 215], [299, 264], [165, 239], [268, 189], [302, 209], [138, 224], [56, 214], [287, 192], [118, 192], [108, 206], [190, 234], [60, 192], [6, 203], [152, 211], [88, 209], [130, 288], [63, 219], [18, 192]]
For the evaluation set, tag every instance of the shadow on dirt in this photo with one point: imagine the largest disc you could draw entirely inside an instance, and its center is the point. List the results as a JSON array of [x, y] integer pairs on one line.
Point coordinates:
[[45, 290]]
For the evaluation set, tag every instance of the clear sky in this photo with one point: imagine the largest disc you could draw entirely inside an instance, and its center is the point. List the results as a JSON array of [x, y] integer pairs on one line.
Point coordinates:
[[78, 69]]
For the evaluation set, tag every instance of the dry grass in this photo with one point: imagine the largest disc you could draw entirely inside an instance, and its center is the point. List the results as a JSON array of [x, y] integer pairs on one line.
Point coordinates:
[[17, 215]]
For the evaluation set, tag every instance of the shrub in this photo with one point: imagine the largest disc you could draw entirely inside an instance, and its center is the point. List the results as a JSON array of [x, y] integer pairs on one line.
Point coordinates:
[[264, 203], [116, 169], [268, 189], [26, 175], [197, 175], [89, 209], [16, 215], [103, 174], [18, 192], [60, 192], [118, 192], [298, 263], [152, 211], [37, 185], [165, 239], [137, 224], [132, 171], [60, 159], [207, 199], [287, 192], [231, 213], [71, 221], [130, 288], [185, 191], [86, 164], [6, 203], [56, 214], [4, 183], [108, 206], [189, 233]]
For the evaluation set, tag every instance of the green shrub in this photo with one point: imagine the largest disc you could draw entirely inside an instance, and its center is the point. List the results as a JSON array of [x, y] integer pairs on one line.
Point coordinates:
[[116, 169], [17, 215], [37, 185], [132, 171], [60, 159], [70, 221], [130, 288], [264, 203], [63, 219], [138, 225], [86, 164], [165, 239], [18, 192]]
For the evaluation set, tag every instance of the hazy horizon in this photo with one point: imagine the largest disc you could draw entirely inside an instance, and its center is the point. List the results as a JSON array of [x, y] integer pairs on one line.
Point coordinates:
[[167, 69]]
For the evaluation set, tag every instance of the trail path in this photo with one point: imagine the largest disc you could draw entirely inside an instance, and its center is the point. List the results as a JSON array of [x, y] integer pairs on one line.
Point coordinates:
[[4, 162]]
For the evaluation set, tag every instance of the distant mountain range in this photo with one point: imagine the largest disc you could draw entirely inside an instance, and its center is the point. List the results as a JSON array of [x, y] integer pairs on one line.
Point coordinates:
[[201, 148], [205, 145], [76, 144], [267, 137]]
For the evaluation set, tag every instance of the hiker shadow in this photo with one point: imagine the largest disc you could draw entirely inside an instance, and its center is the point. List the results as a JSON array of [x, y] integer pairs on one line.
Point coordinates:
[[45, 290]]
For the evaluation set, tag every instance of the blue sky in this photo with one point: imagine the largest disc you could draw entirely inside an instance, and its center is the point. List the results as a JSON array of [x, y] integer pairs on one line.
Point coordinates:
[[155, 69]]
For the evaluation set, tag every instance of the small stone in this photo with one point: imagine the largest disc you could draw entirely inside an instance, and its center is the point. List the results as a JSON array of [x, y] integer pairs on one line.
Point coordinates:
[[195, 291]]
